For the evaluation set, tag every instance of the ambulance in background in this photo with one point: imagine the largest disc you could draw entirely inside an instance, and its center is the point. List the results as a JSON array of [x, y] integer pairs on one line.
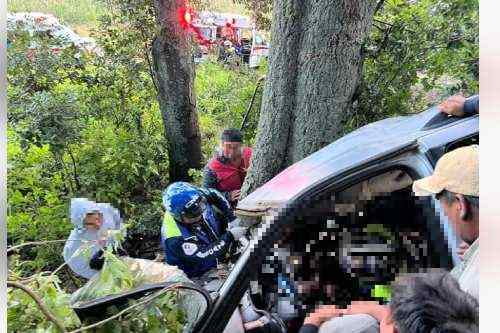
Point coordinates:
[[213, 27]]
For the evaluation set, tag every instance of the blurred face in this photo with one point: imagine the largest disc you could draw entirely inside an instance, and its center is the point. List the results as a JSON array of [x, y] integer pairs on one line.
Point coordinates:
[[232, 150], [456, 212], [191, 220], [93, 221]]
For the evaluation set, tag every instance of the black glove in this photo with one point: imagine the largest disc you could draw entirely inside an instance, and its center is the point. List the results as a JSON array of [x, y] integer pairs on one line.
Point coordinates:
[[97, 260], [120, 252]]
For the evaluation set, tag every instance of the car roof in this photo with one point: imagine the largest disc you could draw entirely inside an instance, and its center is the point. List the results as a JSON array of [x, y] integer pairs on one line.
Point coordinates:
[[368, 142]]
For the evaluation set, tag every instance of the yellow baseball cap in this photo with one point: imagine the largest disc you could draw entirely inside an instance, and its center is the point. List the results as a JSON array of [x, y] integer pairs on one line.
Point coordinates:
[[456, 171]]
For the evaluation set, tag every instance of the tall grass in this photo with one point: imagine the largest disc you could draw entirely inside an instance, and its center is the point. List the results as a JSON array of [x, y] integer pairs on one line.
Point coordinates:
[[225, 6], [79, 14]]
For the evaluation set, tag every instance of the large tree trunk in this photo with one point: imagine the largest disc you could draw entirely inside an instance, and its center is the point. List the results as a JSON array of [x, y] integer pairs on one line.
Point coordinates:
[[174, 72], [314, 68]]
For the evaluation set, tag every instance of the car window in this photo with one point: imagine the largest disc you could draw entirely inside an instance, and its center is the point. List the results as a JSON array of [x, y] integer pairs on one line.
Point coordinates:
[[472, 140], [347, 243], [195, 305]]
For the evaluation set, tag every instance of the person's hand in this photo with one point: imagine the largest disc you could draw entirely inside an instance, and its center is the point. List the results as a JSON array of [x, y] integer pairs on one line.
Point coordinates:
[[234, 223], [234, 195], [462, 248], [97, 260], [238, 232], [453, 105], [371, 308], [322, 314]]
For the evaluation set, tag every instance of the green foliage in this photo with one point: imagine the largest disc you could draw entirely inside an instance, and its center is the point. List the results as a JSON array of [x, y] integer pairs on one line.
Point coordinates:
[[36, 206], [90, 126], [115, 277], [222, 6], [23, 315], [261, 11], [163, 313], [223, 97], [417, 54]]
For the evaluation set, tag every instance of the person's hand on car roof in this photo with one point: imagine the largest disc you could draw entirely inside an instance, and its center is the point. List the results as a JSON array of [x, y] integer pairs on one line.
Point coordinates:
[[453, 105], [459, 106]]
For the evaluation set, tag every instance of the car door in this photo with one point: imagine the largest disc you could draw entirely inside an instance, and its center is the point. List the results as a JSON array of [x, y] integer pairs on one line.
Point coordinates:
[[434, 145], [448, 137], [277, 220]]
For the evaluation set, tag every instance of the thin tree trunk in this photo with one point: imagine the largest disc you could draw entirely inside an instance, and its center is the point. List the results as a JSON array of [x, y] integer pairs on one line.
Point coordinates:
[[174, 72], [75, 172], [314, 69]]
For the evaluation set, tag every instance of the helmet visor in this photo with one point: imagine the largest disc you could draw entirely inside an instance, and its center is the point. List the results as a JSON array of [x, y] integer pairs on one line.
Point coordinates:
[[193, 209]]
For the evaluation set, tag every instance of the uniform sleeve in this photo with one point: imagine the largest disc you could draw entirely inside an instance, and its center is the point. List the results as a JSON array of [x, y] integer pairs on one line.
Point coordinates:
[[471, 105], [210, 181], [194, 253], [218, 200], [209, 178]]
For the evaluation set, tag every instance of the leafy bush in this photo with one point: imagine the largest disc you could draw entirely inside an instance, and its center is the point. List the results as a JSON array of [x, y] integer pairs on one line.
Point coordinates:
[[23, 315], [89, 126], [417, 54], [37, 208], [223, 97], [162, 313]]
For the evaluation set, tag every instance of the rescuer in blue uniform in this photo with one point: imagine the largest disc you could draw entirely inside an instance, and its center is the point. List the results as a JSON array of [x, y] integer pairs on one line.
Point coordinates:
[[198, 228]]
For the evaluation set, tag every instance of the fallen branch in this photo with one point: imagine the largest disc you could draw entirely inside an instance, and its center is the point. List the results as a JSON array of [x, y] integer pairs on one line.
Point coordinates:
[[39, 302], [12, 248], [58, 268], [146, 300]]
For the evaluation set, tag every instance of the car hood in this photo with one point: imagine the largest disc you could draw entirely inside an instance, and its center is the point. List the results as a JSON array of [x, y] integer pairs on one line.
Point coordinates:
[[368, 142]]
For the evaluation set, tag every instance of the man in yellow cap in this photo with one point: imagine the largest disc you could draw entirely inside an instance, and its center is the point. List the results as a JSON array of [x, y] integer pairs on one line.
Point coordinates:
[[455, 183]]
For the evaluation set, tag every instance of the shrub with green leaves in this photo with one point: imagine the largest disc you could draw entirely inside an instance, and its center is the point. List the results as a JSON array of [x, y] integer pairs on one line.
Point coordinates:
[[23, 315]]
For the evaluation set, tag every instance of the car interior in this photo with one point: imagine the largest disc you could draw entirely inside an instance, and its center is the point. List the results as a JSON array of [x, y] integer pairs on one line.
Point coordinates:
[[348, 243]]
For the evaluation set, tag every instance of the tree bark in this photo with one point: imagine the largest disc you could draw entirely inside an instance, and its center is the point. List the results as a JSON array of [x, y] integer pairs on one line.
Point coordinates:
[[315, 65], [174, 72]]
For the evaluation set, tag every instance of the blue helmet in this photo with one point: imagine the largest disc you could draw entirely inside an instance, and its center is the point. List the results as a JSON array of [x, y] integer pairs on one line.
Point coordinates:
[[183, 199]]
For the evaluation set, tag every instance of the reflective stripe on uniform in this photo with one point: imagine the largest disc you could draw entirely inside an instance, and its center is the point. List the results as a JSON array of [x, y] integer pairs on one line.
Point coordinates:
[[169, 228]]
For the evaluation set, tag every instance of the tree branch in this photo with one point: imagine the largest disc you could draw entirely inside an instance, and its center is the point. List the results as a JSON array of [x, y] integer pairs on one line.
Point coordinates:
[[379, 5], [75, 174], [39, 302], [59, 268], [12, 248], [251, 102], [146, 300], [146, 54]]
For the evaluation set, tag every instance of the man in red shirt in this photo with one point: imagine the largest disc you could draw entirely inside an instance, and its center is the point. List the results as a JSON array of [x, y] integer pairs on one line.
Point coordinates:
[[228, 32], [226, 171]]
